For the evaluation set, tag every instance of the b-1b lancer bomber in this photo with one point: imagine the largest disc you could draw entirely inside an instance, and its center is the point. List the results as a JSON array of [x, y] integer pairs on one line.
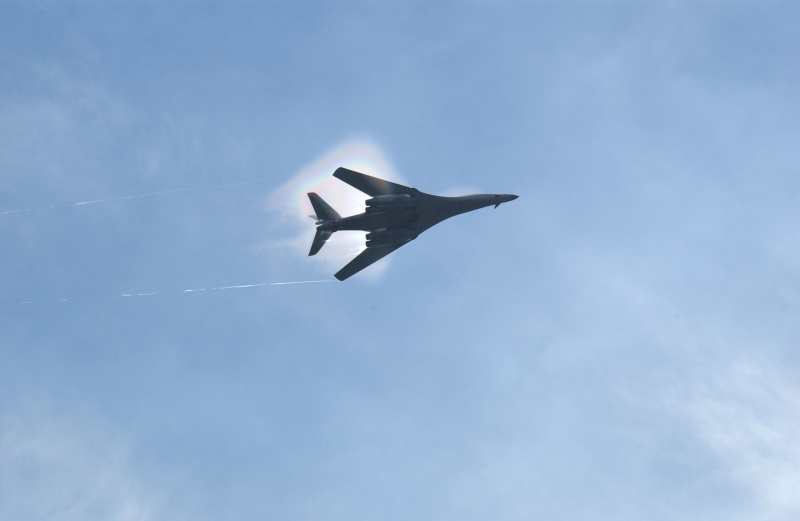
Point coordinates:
[[394, 216]]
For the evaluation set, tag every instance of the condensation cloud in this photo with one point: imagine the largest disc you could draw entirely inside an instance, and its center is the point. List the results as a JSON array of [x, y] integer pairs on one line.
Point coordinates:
[[292, 202]]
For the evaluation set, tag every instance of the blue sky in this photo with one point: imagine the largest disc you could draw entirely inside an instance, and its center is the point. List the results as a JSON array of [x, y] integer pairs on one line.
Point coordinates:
[[618, 343]]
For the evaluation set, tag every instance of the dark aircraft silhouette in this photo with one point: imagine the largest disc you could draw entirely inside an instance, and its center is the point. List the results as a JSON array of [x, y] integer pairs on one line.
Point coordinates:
[[395, 215]]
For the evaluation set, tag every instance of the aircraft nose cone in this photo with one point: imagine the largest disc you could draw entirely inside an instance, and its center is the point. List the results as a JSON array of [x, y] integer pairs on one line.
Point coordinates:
[[503, 198]]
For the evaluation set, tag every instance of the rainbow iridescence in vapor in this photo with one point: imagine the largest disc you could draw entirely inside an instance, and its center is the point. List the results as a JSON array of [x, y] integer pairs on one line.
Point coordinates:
[[291, 199]]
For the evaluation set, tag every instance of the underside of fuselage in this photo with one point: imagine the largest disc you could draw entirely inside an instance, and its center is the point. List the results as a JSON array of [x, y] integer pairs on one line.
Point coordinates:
[[427, 210], [374, 221]]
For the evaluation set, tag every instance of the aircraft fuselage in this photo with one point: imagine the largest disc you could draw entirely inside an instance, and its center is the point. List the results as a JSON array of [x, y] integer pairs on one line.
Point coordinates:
[[426, 210]]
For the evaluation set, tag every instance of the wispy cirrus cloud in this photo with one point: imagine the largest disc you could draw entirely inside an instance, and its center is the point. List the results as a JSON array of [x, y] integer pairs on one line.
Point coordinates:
[[748, 414], [61, 467]]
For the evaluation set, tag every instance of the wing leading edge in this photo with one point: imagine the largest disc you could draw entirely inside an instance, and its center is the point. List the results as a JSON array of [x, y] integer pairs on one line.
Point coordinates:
[[371, 185]]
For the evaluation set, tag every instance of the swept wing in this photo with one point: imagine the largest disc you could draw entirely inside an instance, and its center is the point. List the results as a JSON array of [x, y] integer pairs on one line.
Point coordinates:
[[371, 185], [365, 258]]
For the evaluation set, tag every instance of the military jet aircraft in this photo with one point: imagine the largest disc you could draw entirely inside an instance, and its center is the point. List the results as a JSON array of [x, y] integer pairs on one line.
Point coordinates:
[[394, 216]]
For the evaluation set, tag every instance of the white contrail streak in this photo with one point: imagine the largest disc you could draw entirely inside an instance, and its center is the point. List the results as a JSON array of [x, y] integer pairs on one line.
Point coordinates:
[[259, 285], [161, 193], [124, 197], [26, 302]]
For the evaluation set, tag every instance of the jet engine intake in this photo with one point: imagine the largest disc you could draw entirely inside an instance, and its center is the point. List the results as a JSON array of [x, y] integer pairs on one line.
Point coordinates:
[[389, 202], [386, 237]]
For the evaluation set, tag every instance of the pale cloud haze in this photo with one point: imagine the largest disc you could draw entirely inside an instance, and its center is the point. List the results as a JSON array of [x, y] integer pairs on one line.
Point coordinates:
[[619, 343]]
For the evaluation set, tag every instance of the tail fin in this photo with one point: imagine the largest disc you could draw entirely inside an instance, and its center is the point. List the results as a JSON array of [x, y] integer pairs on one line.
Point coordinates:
[[324, 213], [322, 209], [319, 241]]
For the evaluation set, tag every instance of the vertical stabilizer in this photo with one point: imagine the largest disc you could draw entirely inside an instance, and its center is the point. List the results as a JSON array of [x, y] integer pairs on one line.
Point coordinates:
[[322, 209]]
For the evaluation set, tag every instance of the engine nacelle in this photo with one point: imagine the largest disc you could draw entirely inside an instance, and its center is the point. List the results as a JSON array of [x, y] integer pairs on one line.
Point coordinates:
[[389, 202], [386, 237]]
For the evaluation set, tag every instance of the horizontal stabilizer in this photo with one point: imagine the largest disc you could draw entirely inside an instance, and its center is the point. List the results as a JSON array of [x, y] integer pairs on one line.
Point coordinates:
[[371, 185], [322, 209], [319, 241]]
